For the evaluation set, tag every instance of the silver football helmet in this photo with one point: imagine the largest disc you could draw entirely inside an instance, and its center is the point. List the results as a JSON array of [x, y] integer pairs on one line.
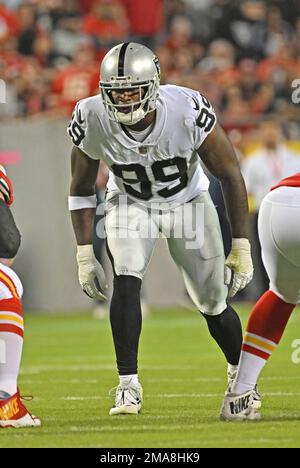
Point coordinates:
[[134, 66]]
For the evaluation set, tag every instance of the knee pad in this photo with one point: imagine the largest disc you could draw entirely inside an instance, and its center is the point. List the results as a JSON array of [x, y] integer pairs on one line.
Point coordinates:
[[212, 307], [10, 238]]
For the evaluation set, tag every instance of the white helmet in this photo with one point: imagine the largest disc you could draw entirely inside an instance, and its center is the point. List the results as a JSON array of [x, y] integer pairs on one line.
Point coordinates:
[[130, 65]]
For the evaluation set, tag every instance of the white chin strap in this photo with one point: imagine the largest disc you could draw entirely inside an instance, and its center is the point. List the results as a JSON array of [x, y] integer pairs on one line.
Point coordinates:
[[131, 118]]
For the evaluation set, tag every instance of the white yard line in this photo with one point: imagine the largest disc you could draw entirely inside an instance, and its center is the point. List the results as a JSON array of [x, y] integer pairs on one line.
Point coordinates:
[[178, 395], [97, 367]]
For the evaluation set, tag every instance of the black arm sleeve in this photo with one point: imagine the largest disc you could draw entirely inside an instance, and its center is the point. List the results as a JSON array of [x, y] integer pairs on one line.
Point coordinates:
[[10, 238]]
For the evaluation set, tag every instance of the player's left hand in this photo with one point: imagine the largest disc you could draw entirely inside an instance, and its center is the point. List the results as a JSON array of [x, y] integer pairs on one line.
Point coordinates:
[[6, 187], [91, 274], [239, 262]]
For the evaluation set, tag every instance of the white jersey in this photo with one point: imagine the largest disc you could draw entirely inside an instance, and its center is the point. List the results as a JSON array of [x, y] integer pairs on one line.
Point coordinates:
[[165, 167]]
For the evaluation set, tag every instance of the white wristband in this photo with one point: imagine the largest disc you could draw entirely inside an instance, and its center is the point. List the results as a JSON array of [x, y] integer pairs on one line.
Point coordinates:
[[241, 244], [79, 203], [85, 253]]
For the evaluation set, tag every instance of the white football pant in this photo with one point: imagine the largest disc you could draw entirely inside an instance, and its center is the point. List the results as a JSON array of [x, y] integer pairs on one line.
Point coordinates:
[[10, 283], [194, 239], [279, 234]]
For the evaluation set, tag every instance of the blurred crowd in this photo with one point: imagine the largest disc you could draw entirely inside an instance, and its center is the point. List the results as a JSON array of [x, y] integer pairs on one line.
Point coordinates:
[[242, 54]]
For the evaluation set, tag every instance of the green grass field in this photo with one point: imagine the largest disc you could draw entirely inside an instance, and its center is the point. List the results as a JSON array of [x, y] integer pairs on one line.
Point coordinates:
[[68, 365]]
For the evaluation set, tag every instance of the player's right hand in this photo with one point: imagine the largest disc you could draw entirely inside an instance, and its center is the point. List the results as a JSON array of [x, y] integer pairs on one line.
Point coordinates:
[[90, 273], [6, 187]]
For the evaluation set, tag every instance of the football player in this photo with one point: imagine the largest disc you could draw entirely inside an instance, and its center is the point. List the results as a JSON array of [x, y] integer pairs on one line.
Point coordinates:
[[151, 138], [278, 227], [12, 411]]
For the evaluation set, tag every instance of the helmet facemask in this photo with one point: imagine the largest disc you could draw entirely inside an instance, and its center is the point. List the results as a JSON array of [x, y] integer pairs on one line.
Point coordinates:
[[139, 109]]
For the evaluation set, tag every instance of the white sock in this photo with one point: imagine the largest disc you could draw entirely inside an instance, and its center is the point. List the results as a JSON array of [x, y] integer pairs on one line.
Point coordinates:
[[11, 346], [125, 380], [250, 367]]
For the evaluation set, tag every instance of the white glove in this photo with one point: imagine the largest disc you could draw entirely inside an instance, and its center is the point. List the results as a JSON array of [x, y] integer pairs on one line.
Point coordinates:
[[239, 262], [90, 272]]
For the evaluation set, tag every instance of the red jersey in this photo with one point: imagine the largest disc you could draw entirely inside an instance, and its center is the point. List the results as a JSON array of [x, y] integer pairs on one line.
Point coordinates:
[[293, 181], [9, 24], [103, 28], [145, 16], [73, 84]]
